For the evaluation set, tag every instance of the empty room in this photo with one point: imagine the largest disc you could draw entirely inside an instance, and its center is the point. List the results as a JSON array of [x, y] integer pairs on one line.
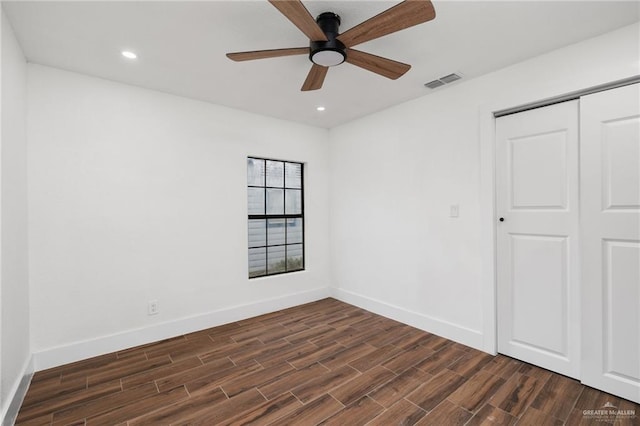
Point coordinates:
[[285, 212]]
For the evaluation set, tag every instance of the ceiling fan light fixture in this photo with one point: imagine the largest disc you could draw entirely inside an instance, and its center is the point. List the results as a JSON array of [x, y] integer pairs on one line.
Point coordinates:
[[328, 57], [329, 52]]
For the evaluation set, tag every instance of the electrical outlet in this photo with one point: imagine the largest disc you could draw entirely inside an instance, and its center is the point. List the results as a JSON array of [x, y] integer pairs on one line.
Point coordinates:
[[152, 307]]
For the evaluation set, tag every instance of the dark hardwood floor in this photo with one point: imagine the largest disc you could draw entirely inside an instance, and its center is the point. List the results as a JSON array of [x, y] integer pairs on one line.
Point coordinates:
[[325, 362]]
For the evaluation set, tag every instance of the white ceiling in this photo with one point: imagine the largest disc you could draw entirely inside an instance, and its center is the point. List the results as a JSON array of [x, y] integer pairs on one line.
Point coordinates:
[[182, 45]]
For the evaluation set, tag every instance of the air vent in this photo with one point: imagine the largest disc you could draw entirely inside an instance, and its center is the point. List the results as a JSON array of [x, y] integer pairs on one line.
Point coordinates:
[[443, 80], [450, 78], [433, 84]]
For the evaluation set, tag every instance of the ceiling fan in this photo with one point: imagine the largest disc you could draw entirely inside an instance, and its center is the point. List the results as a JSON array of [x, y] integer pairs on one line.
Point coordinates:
[[328, 47]]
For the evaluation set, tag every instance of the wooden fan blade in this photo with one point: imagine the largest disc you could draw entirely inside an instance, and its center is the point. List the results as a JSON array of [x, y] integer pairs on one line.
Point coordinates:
[[401, 16], [377, 64], [295, 11], [315, 78], [263, 54]]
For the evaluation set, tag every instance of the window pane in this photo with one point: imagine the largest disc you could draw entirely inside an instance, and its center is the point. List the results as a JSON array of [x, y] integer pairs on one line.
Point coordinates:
[[275, 173], [275, 228], [276, 259], [255, 172], [256, 200], [294, 257], [257, 233], [294, 231], [275, 243], [294, 201], [275, 201], [257, 262], [293, 175]]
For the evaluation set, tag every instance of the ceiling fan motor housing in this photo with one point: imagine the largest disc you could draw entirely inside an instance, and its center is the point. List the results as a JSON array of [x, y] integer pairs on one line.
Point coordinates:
[[332, 51]]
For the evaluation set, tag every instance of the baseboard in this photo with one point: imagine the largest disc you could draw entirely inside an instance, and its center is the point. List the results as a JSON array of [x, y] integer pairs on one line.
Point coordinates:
[[103, 345], [457, 333], [17, 394]]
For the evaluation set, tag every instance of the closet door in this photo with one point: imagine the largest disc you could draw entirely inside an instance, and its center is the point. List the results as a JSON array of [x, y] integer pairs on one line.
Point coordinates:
[[610, 232], [537, 240]]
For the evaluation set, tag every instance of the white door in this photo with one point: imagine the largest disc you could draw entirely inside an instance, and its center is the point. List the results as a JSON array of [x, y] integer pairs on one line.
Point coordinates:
[[610, 209], [537, 243]]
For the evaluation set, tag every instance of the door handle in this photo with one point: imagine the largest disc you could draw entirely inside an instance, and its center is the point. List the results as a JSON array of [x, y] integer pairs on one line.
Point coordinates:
[[501, 219]]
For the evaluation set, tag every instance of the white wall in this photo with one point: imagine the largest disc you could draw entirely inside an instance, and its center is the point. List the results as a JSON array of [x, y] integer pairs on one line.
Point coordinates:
[[394, 174], [138, 195], [15, 353]]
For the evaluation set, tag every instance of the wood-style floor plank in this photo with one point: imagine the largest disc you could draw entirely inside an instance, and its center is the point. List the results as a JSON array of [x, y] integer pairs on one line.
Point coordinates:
[[490, 415], [301, 361], [375, 358], [400, 386], [357, 413], [62, 402], [356, 388], [407, 358], [126, 370], [255, 379], [402, 412], [174, 412], [320, 363], [516, 394], [324, 383], [104, 404], [154, 374], [213, 379], [346, 355], [502, 366], [225, 411], [312, 413], [470, 363], [268, 411], [558, 396], [275, 357], [446, 413], [48, 389], [432, 393], [533, 416], [140, 406], [476, 391], [186, 376], [440, 360], [288, 382]]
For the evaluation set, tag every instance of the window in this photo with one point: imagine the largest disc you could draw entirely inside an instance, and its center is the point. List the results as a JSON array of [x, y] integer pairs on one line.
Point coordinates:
[[276, 217]]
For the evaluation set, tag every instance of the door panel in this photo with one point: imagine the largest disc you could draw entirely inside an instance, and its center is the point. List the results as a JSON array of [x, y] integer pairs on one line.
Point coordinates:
[[620, 164], [621, 296], [531, 189], [610, 234], [537, 284], [537, 195]]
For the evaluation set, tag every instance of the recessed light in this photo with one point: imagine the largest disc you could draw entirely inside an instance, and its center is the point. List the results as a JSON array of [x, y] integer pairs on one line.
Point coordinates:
[[129, 55], [320, 108]]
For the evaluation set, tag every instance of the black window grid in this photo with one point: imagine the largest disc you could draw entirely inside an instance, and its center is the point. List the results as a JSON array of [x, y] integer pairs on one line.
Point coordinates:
[[265, 216]]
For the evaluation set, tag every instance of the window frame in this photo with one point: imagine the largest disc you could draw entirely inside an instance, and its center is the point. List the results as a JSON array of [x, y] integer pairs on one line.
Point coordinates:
[[284, 216]]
